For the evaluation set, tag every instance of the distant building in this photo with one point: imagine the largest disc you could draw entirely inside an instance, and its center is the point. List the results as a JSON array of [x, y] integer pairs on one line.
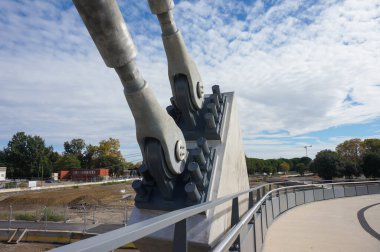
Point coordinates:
[[54, 176], [64, 175], [79, 174], [3, 173]]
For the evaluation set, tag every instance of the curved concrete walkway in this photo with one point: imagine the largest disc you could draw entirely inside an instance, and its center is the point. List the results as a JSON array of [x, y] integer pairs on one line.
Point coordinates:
[[345, 224]]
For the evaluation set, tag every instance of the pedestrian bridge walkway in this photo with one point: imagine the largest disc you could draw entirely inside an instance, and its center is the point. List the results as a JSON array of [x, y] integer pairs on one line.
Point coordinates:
[[344, 224], [342, 216]]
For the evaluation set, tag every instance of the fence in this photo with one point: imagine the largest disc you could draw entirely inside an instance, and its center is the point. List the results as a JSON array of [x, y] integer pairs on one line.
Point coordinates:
[[277, 201], [271, 201], [46, 217]]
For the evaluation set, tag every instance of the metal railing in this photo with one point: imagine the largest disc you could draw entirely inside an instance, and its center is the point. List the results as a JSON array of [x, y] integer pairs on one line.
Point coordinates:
[[262, 201]]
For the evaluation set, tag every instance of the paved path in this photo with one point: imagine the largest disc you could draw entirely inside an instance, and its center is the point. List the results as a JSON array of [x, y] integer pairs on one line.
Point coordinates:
[[346, 224]]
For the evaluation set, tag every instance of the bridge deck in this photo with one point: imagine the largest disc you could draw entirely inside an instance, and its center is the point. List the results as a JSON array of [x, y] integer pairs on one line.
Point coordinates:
[[346, 224]]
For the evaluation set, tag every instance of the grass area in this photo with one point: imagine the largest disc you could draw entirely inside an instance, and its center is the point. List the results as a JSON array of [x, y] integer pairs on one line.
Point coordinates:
[[10, 185], [4, 216], [52, 216], [47, 214], [25, 216]]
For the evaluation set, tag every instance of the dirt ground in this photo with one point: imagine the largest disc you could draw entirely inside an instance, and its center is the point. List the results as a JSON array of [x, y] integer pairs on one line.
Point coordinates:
[[107, 203], [104, 194]]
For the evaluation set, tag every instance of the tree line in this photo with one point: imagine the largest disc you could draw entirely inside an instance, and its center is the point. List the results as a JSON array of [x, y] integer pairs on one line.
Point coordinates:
[[27, 156], [257, 165], [352, 158]]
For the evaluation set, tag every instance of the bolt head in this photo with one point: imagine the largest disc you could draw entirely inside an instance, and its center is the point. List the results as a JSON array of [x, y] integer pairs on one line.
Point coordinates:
[[180, 150], [199, 90]]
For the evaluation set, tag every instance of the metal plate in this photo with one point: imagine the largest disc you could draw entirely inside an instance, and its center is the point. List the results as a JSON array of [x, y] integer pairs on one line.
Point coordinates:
[[258, 240], [300, 200], [276, 207], [318, 194], [309, 196], [372, 189], [291, 200], [361, 190], [269, 212], [283, 203], [349, 191], [328, 193], [264, 219], [338, 191]]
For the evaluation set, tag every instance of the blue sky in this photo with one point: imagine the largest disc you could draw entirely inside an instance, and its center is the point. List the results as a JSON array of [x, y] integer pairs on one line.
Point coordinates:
[[304, 72]]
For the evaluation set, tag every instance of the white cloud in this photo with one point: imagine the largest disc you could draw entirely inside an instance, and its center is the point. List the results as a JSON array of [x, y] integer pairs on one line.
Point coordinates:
[[291, 65]]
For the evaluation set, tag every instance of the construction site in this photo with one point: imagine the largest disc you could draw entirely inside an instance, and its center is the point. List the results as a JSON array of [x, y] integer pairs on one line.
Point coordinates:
[[52, 217]]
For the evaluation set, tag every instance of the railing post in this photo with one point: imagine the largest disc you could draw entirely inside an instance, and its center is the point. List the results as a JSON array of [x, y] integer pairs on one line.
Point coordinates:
[[93, 215], [258, 195], [234, 220], [250, 200], [271, 203], [266, 213], [279, 203], [367, 188], [253, 222], [10, 217], [344, 191], [46, 213], [323, 192], [180, 236], [261, 224], [84, 218], [286, 196], [304, 196], [64, 214], [333, 191]]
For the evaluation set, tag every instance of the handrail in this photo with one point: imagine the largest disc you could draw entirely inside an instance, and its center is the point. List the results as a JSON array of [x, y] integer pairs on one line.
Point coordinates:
[[229, 238], [119, 237], [124, 235]]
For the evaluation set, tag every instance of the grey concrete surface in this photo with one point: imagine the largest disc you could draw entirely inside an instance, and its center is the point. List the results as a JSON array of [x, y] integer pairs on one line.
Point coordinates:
[[331, 225]]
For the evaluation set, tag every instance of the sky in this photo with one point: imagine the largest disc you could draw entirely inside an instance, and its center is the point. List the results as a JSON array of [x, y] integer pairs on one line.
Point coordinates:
[[304, 72]]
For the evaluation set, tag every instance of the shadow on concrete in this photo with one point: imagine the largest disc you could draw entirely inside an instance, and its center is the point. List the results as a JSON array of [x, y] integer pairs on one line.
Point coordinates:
[[363, 222]]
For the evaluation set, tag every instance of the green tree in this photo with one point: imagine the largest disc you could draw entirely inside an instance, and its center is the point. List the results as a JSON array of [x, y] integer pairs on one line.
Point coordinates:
[[301, 168], [371, 146], [268, 169], [27, 156], [371, 165], [284, 166], [89, 156], [351, 151], [312, 167], [68, 162], [305, 160], [77, 147], [327, 164], [351, 169], [108, 155], [2, 158]]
